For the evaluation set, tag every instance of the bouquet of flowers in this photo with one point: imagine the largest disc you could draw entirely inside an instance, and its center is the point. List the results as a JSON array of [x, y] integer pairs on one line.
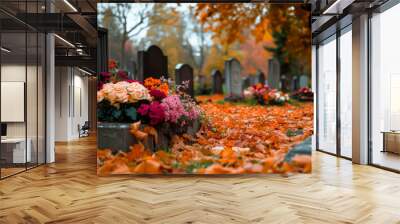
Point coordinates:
[[276, 97], [304, 94], [117, 102], [154, 102], [265, 95]]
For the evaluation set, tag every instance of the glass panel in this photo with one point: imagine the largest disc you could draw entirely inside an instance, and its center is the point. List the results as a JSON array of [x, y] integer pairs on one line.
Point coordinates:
[[41, 99], [327, 96], [385, 84], [13, 80], [31, 99], [346, 94]]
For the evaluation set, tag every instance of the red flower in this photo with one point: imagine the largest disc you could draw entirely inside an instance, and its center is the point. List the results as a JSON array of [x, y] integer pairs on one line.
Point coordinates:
[[112, 64], [143, 109], [122, 74], [157, 94], [156, 113]]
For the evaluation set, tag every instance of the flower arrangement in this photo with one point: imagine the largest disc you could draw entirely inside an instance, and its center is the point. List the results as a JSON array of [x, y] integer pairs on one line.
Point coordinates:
[[276, 97], [155, 102], [304, 94], [265, 95]]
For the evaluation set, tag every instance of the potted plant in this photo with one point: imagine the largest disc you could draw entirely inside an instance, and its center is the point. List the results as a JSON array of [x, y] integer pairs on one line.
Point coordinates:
[[152, 112], [117, 105]]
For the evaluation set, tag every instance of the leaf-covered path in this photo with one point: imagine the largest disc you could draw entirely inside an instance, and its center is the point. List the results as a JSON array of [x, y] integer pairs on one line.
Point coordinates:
[[236, 138]]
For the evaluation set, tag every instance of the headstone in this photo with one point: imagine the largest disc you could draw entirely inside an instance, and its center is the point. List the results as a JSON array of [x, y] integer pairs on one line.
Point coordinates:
[[217, 81], [274, 71], [253, 80], [152, 63], [294, 85], [233, 77], [247, 81], [133, 72], [202, 83], [184, 73], [260, 77], [283, 85], [303, 81]]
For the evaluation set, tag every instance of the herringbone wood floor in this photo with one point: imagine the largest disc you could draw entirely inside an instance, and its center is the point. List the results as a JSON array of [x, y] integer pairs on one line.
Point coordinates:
[[70, 192]]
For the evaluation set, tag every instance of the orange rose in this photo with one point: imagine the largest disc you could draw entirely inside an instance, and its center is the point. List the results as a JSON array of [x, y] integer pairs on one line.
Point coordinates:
[[164, 88]]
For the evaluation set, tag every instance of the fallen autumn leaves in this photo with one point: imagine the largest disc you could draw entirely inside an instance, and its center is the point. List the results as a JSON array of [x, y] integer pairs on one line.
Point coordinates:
[[235, 139]]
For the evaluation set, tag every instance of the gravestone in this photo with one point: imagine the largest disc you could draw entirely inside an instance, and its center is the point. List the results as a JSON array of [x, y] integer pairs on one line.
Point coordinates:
[[247, 81], [283, 85], [233, 77], [184, 73], [253, 80], [274, 71], [152, 63], [217, 81], [294, 85], [260, 77], [133, 74], [303, 81], [202, 83]]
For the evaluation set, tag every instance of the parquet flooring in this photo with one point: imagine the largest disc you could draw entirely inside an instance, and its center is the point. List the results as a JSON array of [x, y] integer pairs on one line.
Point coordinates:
[[70, 192]]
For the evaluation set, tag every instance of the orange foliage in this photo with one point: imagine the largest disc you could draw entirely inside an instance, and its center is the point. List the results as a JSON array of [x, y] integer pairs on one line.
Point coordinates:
[[236, 139]]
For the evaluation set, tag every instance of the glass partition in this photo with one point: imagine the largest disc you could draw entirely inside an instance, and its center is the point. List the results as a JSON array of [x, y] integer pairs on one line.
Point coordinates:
[[385, 89], [13, 86], [22, 88], [346, 93], [327, 96]]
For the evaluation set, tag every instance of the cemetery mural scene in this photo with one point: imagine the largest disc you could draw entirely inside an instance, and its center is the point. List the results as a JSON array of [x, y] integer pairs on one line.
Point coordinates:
[[203, 88]]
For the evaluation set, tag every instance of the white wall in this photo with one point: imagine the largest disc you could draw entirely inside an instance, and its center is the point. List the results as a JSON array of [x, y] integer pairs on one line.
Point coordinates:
[[71, 102]]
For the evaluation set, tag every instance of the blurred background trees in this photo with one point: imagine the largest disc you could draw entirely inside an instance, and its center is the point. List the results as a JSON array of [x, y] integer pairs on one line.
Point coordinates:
[[204, 35]]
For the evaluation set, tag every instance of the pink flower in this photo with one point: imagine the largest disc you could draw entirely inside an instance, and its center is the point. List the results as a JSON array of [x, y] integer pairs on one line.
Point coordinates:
[[173, 108]]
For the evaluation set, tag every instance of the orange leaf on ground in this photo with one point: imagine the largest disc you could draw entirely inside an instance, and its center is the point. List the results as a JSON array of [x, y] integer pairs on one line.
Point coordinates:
[[148, 166]]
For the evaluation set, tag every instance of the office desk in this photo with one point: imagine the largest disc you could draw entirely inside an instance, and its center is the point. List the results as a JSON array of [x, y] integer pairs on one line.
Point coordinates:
[[13, 150]]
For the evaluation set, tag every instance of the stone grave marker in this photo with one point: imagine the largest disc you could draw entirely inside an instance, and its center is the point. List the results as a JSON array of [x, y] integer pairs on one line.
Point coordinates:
[[217, 81], [274, 71], [184, 73], [152, 63], [233, 77]]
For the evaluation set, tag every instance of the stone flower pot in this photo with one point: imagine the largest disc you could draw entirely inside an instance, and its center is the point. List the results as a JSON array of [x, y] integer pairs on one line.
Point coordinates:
[[117, 137]]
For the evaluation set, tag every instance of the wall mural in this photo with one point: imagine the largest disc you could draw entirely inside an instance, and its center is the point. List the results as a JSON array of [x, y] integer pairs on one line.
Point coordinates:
[[189, 89]]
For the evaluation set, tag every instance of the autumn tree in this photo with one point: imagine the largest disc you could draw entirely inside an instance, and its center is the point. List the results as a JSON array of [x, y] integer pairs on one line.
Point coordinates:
[[167, 29], [286, 25], [115, 17]]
